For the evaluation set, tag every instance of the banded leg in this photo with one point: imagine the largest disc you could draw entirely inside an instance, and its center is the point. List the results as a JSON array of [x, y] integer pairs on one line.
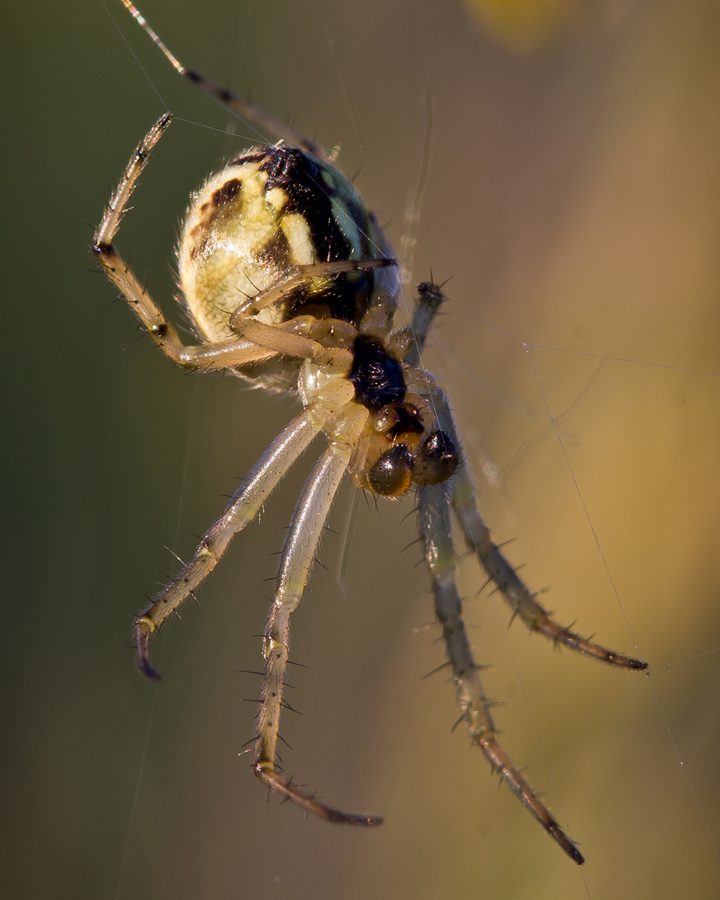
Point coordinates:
[[241, 510], [296, 558], [269, 125], [436, 533]]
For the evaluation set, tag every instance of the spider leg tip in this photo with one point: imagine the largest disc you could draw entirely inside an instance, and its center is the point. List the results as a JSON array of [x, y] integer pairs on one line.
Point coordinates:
[[147, 670]]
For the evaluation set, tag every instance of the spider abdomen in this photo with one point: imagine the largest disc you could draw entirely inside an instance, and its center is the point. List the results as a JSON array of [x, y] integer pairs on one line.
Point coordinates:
[[268, 212]]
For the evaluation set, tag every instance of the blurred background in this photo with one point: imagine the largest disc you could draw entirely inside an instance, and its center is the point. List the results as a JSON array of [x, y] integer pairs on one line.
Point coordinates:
[[572, 194]]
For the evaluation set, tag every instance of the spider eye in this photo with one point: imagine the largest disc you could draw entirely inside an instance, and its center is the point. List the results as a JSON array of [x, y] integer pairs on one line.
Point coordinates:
[[392, 473], [437, 459]]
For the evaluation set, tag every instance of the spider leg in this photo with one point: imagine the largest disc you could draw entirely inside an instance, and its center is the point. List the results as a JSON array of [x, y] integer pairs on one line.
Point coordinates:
[[477, 535], [218, 355], [436, 533], [296, 558], [298, 276], [427, 305], [283, 340], [242, 509], [267, 124], [520, 598]]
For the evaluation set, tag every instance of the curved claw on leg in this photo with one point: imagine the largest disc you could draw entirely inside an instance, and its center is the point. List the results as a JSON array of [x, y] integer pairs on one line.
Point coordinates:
[[144, 627]]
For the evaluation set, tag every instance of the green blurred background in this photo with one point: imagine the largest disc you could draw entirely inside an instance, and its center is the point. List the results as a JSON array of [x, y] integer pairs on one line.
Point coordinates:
[[573, 194]]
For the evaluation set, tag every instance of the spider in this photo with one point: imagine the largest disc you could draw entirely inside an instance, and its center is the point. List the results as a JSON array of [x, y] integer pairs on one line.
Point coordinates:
[[288, 281]]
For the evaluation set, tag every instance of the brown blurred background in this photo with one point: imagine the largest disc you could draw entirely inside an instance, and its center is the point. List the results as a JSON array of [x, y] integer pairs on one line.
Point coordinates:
[[573, 196]]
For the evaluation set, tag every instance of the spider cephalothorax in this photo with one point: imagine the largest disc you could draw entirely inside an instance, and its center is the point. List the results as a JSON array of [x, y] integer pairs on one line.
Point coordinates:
[[288, 281]]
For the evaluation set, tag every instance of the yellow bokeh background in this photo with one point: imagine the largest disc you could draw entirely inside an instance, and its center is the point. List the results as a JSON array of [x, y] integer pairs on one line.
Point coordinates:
[[525, 25]]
